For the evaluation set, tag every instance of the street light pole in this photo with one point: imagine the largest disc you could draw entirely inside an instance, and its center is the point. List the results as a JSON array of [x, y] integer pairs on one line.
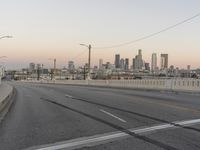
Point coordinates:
[[2, 37], [54, 68], [89, 58], [89, 61], [54, 61]]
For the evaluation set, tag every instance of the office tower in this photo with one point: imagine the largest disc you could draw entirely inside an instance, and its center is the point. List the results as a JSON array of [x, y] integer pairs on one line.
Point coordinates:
[[117, 61], [147, 66], [188, 71], [31, 67], [138, 60], [164, 61], [126, 64], [122, 64], [140, 52], [100, 64], [133, 63], [71, 66], [38, 66], [153, 62]]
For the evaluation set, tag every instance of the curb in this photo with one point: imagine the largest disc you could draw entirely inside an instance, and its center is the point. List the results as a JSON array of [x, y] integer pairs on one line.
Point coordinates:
[[6, 104]]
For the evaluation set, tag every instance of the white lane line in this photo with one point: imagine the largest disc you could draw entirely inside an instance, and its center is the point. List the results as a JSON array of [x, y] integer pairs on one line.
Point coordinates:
[[68, 96], [105, 138], [154, 128], [122, 120], [189, 122]]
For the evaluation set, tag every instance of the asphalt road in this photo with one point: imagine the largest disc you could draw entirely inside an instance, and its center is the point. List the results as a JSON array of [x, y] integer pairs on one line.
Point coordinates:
[[47, 114]]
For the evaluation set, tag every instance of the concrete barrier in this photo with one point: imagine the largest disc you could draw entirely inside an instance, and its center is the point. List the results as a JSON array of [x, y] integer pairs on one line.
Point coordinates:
[[182, 85], [6, 92]]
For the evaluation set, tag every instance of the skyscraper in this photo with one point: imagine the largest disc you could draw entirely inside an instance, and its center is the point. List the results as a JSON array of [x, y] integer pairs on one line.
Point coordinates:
[[133, 63], [147, 67], [122, 64], [164, 61], [153, 62], [71, 66], [31, 67], [100, 64], [126, 64], [117, 61], [138, 60]]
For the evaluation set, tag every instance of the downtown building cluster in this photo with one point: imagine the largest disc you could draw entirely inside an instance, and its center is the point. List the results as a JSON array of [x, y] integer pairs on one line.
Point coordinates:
[[138, 64], [121, 68], [137, 67]]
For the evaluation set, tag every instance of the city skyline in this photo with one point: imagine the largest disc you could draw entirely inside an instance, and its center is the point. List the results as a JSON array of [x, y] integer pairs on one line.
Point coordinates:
[[54, 29], [138, 63], [131, 62]]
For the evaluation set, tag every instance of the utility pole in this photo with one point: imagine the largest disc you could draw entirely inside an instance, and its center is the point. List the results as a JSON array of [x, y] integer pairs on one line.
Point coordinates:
[[89, 61], [54, 72], [27, 73], [84, 73], [42, 71], [89, 58], [38, 73]]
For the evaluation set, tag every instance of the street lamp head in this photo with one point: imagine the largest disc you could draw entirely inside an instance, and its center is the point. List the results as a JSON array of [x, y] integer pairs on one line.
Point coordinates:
[[9, 36], [6, 37], [84, 45]]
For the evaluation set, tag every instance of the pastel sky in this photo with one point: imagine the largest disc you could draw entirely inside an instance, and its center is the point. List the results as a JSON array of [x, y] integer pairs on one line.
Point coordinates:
[[44, 29]]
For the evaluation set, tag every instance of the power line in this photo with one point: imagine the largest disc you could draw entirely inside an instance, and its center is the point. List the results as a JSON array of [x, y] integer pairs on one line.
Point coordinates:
[[78, 55], [150, 35]]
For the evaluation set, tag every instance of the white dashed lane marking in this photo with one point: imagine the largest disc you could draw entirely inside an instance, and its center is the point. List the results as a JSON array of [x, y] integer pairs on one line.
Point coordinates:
[[122, 120]]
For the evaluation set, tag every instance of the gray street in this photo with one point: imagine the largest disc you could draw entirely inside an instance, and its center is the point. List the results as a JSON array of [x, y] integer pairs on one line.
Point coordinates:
[[45, 115]]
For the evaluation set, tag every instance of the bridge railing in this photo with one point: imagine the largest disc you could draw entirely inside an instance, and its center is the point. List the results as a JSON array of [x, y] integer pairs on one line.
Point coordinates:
[[154, 84]]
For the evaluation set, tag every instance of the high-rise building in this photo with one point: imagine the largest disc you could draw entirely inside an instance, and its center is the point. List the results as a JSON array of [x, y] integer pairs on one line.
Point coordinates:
[[133, 64], [122, 64], [147, 66], [138, 60], [188, 71], [100, 64], [153, 62], [108, 65], [126, 64], [31, 67], [164, 61], [39, 66], [71, 66], [117, 61]]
